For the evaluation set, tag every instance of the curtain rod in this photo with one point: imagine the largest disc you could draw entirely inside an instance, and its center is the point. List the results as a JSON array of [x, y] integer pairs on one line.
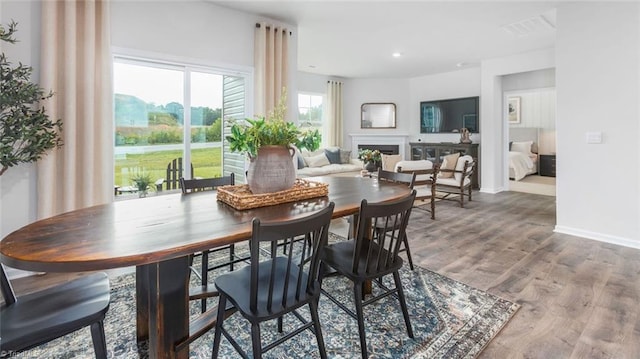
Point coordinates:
[[268, 27]]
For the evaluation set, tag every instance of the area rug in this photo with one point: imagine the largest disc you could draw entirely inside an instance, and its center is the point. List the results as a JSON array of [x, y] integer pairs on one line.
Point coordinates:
[[449, 319]]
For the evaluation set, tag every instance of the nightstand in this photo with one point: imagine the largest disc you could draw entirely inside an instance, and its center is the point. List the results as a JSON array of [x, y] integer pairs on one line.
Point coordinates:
[[548, 165]]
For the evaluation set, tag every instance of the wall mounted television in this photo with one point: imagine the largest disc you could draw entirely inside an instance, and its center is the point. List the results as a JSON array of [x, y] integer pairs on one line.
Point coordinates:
[[450, 115]]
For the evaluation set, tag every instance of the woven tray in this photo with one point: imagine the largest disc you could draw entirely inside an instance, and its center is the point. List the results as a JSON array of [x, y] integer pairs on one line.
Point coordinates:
[[240, 197]]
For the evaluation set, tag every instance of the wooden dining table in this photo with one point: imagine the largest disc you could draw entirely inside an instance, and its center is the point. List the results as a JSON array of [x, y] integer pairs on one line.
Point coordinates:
[[156, 235]]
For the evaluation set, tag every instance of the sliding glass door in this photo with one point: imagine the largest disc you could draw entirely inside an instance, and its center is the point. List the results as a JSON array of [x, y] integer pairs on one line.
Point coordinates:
[[166, 115]]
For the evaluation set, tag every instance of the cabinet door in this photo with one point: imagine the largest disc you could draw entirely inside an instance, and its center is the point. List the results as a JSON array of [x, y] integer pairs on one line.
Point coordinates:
[[430, 154], [417, 153]]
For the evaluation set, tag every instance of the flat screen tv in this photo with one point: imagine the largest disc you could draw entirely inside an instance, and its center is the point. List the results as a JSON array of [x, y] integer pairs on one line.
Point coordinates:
[[449, 116]]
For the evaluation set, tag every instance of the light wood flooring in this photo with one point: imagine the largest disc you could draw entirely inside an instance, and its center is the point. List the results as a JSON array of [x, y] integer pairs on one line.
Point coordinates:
[[580, 298]]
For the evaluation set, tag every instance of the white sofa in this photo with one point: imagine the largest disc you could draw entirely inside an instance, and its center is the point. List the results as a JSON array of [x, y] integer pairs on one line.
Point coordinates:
[[322, 163]]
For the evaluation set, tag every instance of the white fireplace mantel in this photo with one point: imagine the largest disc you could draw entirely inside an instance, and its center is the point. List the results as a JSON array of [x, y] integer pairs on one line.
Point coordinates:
[[400, 139]]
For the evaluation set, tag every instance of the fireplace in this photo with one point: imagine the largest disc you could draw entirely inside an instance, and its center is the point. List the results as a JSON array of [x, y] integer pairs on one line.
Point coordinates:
[[386, 143], [384, 149]]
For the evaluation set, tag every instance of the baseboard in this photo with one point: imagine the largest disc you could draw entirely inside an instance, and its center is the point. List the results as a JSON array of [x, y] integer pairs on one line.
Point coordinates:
[[491, 190], [601, 237]]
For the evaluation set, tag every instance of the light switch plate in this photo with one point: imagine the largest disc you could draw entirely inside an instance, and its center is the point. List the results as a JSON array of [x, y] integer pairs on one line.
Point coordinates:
[[594, 137]]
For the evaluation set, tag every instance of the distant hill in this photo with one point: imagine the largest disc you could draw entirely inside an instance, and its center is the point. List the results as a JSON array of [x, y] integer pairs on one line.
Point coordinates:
[[131, 111]]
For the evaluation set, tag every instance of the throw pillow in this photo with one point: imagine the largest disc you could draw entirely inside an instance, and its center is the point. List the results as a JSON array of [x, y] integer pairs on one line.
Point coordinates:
[[389, 162], [317, 161], [524, 147], [345, 156], [449, 163], [333, 154]]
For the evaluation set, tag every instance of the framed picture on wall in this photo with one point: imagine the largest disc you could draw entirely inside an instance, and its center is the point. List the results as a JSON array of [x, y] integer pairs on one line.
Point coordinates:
[[514, 110]]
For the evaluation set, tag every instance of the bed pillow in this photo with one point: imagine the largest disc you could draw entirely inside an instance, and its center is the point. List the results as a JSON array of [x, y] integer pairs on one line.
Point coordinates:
[[524, 147], [389, 162], [333, 154], [449, 163], [345, 156], [317, 161]]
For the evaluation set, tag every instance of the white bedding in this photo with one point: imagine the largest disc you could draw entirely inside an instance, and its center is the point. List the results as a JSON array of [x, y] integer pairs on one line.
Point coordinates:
[[521, 164]]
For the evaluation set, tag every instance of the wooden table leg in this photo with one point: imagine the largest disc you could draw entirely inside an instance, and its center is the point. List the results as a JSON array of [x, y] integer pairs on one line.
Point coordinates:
[[142, 304], [166, 286]]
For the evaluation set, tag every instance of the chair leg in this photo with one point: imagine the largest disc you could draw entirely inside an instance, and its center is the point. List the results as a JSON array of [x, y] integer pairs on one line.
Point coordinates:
[[222, 303], [358, 294], [99, 340], [255, 340], [403, 303], [313, 308], [232, 255], [469, 193], [279, 324], [406, 247], [204, 272], [433, 207], [462, 198]]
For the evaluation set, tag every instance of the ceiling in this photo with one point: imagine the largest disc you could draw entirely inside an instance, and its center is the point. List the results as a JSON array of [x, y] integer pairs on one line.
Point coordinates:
[[356, 39]]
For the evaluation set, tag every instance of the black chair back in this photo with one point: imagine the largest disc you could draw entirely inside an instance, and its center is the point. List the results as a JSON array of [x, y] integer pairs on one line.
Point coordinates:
[[380, 232], [203, 184], [302, 264]]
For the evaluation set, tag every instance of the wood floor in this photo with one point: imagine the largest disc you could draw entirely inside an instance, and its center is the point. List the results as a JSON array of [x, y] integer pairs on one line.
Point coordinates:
[[580, 298]]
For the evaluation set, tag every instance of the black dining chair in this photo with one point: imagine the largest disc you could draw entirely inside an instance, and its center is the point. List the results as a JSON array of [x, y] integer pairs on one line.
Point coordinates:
[[205, 291], [280, 284], [42, 316], [409, 180], [371, 256]]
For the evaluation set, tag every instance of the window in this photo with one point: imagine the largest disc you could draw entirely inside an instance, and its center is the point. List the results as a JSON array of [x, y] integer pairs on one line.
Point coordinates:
[[168, 111], [310, 111]]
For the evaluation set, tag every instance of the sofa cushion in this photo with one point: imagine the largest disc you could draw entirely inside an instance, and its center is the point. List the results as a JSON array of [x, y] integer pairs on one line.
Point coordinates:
[[448, 163], [345, 156], [317, 161], [329, 169], [333, 154], [389, 162]]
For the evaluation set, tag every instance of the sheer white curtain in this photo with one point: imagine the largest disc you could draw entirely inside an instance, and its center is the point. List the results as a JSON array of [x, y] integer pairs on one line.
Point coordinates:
[[334, 113], [271, 52], [76, 66]]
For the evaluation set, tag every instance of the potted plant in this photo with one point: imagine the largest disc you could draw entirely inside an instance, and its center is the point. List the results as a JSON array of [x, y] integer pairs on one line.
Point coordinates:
[[26, 132], [267, 142], [142, 182], [371, 159]]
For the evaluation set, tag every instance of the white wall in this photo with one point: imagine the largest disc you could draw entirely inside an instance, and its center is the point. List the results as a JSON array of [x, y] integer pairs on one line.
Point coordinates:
[[18, 184], [359, 91], [598, 75]]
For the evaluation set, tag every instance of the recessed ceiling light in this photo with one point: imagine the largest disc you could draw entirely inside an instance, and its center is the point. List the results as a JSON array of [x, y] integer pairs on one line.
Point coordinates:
[[396, 54], [461, 64]]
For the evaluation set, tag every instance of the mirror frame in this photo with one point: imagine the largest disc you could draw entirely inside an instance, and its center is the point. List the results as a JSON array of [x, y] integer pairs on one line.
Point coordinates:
[[378, 115]]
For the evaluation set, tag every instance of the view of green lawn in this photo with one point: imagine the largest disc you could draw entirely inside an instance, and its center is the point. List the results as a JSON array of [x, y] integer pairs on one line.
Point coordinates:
[[207, 162]]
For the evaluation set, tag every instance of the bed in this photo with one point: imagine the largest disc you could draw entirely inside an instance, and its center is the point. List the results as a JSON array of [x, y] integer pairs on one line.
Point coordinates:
[[523, 152]]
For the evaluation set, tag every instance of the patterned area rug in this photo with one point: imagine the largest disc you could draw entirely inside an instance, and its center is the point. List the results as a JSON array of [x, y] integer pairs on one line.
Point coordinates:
[[449, 319]]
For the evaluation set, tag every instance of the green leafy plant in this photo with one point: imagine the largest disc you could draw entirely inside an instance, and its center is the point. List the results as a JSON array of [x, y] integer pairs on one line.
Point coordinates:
[[26, 132], [250, 135], [142, 181], [310, 140]]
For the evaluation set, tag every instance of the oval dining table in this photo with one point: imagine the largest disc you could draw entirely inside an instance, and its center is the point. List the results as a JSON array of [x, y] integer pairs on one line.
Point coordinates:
[[156, 235]]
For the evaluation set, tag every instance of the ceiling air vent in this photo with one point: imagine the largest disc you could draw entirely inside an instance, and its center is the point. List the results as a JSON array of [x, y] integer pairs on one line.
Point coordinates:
[[529, 26]]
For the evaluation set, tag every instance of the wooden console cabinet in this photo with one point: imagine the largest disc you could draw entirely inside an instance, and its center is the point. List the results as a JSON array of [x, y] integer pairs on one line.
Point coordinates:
[[435, 153]]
